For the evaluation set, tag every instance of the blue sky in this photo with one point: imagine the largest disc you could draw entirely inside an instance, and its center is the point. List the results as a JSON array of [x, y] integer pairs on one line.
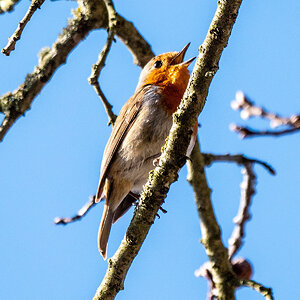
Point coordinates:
[[50, 159]]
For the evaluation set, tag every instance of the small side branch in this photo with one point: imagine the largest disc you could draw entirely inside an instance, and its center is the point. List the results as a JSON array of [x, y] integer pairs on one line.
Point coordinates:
[[81, 213], [247, 132], [248, 110], [238, 158], [98, 66], [247, 192], [35, 4], [266, 292]]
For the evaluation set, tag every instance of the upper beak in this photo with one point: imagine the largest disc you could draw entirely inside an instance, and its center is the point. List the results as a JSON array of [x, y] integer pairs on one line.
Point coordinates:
[[178, 59]]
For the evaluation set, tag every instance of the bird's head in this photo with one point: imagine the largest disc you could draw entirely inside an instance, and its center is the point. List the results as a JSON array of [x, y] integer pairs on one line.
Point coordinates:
[[167, 69]]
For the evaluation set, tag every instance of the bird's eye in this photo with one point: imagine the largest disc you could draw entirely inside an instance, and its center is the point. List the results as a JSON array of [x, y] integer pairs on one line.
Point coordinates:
[[158, 64]]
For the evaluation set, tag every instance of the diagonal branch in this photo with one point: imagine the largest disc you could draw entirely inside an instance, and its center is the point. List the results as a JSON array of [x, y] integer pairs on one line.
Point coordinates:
[[15, 104], [81, 213], [173, 158], [35, 4]]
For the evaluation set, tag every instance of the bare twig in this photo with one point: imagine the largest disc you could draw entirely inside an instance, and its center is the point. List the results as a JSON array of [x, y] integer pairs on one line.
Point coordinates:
[[247, 132], [266, 292], [7, 5], [247, 192], [81, 213], [238, 158], [249, 109], [35, 4], [98, 66]]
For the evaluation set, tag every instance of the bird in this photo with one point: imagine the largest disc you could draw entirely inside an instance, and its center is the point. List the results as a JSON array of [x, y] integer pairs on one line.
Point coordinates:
[[138, 135]]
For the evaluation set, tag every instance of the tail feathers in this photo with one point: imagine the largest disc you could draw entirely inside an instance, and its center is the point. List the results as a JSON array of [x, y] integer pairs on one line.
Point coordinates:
[[104, 230], [126, 204]]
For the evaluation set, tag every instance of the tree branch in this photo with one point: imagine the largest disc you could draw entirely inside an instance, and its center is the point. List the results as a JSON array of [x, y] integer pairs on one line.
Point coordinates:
[[247, 132], [91, 15], [266, 292], [240, 159], [173, 158], [222, 277], [248, 110], [247, 192], [15, 104], [35, 4], [97, 68], [81, 213]]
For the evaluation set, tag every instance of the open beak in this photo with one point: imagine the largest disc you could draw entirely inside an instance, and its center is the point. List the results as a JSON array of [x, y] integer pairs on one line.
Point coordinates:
[[178, 59]]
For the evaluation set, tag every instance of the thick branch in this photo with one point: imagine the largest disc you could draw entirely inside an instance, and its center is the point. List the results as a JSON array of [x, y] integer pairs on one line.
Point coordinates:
[[222, 276], [139, 48], [173, 158], [35, 4]]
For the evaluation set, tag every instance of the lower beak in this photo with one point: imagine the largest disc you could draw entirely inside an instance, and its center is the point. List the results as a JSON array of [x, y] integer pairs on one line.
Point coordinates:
[[178, 59], [188, 62]]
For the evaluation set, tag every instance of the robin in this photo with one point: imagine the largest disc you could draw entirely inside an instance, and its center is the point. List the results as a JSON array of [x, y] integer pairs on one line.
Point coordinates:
[[138, 135]]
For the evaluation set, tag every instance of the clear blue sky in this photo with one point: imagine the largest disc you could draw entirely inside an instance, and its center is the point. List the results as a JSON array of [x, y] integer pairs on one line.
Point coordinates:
[[50, 159]]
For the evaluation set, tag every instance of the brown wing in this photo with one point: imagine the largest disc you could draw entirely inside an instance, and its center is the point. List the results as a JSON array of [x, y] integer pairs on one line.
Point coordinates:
[[123, 123]]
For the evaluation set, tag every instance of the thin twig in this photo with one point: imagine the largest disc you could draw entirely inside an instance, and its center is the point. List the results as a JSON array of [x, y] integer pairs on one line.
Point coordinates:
[[98, 66], [247, 132], [247, 192], [266, 292], [35, 4], [81, 213], [240, 159], [248, 109]]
